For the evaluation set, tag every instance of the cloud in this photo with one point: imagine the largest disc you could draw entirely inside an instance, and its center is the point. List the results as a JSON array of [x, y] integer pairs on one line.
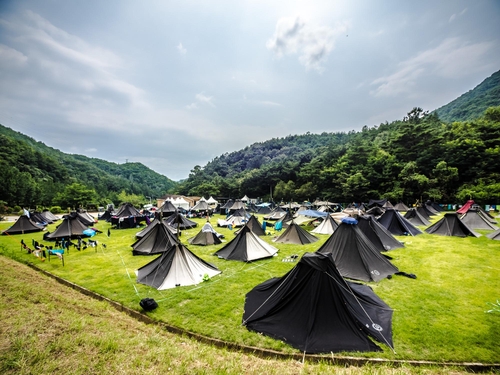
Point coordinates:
[[181, 49], [454, 15], [202, 98], [11, 56], [450, 59], [312, 43]]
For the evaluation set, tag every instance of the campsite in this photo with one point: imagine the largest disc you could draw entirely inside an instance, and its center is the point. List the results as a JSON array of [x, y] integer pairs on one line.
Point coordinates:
[[439, 316]]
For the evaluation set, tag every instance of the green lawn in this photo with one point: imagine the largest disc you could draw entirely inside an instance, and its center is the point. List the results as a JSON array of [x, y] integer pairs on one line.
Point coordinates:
[[440, 316]]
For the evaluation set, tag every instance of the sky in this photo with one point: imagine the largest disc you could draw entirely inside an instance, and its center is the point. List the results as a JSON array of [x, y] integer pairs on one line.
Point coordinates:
[[174, 84]]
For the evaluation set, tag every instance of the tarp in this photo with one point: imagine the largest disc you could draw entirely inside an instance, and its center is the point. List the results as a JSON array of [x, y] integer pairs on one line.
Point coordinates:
[[315, 310], [355, 255]]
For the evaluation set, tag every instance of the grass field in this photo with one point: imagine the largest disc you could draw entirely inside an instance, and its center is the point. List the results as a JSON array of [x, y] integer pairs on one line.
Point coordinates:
[[440, 316]]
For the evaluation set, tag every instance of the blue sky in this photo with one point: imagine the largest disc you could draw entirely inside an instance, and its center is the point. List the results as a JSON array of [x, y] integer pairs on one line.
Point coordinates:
[[173, 84]]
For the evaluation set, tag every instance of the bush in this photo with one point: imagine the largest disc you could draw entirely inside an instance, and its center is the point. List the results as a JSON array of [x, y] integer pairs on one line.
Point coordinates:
[[56, 210], [18, 210]]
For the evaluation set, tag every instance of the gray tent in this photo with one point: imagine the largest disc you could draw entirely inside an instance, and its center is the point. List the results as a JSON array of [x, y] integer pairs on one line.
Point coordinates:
[[414, 217], [476, 220], [178, 266], [382, 239], [206, 236], [23, 225], [158, 239], [451, 225], [295, 234], [327, 226]]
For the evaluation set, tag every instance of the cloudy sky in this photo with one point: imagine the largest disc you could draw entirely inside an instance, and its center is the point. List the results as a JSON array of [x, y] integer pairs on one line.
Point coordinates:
[[173, 84]]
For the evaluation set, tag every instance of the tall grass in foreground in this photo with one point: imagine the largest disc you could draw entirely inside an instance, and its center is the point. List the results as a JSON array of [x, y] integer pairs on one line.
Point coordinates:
[[48, 328], [439, 316]]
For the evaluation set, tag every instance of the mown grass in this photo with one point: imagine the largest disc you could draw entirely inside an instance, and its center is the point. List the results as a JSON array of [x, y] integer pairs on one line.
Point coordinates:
[[440, 316]]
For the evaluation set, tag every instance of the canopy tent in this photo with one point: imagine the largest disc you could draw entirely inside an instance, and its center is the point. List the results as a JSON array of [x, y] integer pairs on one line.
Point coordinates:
[[401, 207], [476, 220], [295, 234], [70, 227], [327, 226], [382, 239], [395, 223], [451, 225], [178, 266], [246, 247], [158, 239], [206, 236], [212, 202], [23, 225], [315, 310], [415, 217], [355, 255]]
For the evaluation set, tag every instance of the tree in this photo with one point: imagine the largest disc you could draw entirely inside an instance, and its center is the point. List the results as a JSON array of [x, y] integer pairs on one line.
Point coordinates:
[[75, 195]]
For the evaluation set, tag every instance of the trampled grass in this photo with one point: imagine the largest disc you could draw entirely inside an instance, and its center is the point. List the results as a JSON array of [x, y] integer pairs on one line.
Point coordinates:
[[439, 316]]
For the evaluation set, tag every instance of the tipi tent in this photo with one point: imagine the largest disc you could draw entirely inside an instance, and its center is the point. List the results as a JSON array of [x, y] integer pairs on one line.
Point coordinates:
[[295, 234], [327, 226], [167, 209], [127, 216], [176, 267], [246, 247], [50, 216], [206, 236], [451, 225], [179, 221], [401, 207], [70, 227], [476, 220], [315, 310], [414, 217], [355, 255], [255, 226], [158, 239], [382, 239], [23, 225], [395, 223]]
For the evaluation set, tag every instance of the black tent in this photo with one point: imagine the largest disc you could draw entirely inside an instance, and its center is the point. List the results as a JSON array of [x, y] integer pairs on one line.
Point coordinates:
[[206, 236], [255, 226], [295, 234], [494, 235], [246, 247], [179, 221], [400, 206], [382, 239], [167, 209], [414, 217], [475, 219], [355, 255], [315, 310], [178, 266], [23, 225], [127, 216], [70, 227], [395, 223], [158, 239], [451, 225], [50, 216]]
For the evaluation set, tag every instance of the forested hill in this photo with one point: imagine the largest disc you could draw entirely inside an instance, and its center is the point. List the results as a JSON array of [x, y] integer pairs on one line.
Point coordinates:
[[417, 157], [473, 103], [32, 173]]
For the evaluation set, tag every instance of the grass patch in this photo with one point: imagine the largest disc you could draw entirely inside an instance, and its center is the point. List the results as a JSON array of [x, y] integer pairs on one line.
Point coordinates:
[[440, 316]]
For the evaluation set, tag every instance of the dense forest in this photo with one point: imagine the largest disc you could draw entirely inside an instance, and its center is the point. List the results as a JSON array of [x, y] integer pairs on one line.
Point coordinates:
[[417, 157], [448, 155], [33, 174]]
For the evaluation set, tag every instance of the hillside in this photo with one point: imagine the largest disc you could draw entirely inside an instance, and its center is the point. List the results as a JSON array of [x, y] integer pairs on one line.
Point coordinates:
[[473, 103], [44, 171]]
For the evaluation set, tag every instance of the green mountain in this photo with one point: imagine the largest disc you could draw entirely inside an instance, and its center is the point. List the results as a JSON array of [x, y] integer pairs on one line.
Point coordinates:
[[473, 103], [33, 173]]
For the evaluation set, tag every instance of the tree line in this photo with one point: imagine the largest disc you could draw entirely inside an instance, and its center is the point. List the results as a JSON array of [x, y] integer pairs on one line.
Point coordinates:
[[418, 157]]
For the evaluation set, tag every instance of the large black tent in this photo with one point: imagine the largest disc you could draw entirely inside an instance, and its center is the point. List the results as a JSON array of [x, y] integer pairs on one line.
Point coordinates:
[[395, 223], [475, 219], [179, 221], [315, 310], [451, 225], [127, 216], [246, 247], [178, 266], [295, 234], [382, 239], [255, 226], [23, 225], [355, 255], [70, 227], [158, 239]]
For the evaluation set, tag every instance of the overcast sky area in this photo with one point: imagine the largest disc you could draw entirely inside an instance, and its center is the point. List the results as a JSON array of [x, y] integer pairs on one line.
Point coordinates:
[[173, 84]]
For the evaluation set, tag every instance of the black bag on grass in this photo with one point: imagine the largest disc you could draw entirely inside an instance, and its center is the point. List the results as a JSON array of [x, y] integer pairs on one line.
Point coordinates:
[[148, 304]]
